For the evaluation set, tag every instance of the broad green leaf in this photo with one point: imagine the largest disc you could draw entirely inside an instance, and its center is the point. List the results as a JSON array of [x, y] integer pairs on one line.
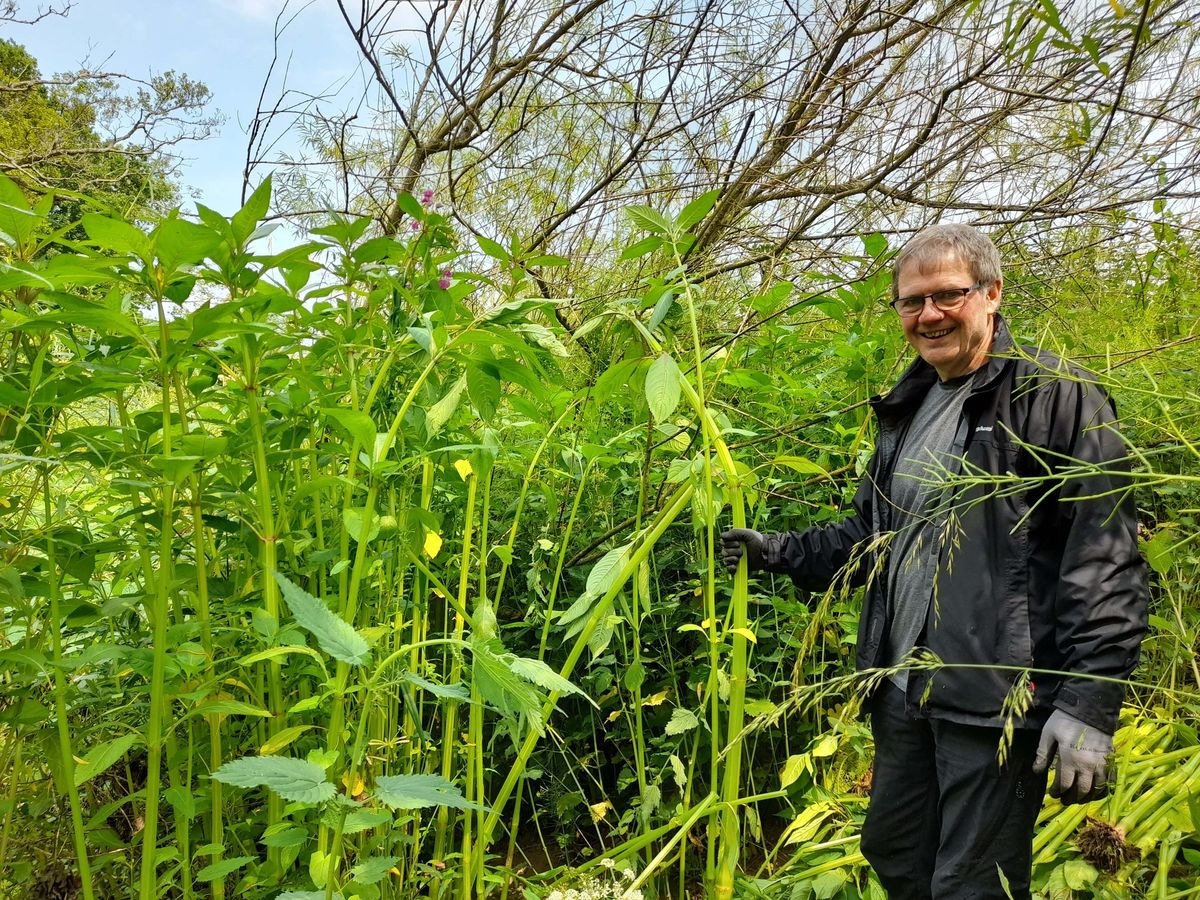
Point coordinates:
[[442, 691], [828, 884], [334, 634], [17, 220], [544, 338], [355, 423], [218, 870], [285, 834], [245, 220], [606, 571], [661, 308], [792, 769], [695, 211], [1079, 874], [179, 243], [682, 720], [307, 895], [875, 244], [364, 819], [182, 802], [374, 869], [497, 684], [117, 236], [361, 524], [826, 746], [642, 247], [229, 707], [282, 739], [1159, 550], [663, 387], [297, 780], [542, 675], [799, 464], [483, 387], [648, 219], [419, 792], [102, 756], [492, 249], [100, 319], [439, 414], [635, 676]]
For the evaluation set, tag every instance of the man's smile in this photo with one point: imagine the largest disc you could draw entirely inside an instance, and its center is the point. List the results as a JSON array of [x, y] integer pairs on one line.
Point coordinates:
[[934, 335]]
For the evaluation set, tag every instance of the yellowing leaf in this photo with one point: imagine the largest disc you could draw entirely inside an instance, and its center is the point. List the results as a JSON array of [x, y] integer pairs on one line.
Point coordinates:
[[545, 544], [1117, 8], [463, 467], [600, 810], [827, 746], [278, 741], [355, 788], [657, 699], [612, 716], [746, 633], [433, 543]]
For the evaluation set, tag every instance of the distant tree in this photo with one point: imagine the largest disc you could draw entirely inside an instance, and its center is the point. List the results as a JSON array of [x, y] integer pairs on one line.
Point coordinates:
[[100, 133]]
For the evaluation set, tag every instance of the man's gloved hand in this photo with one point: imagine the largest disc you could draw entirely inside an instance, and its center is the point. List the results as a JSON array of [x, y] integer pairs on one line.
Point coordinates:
[[1081, 774], [732, 542]]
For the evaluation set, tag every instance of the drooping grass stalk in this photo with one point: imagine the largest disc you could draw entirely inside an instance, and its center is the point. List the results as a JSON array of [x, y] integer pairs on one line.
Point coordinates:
[[66, 756], [159, 614]]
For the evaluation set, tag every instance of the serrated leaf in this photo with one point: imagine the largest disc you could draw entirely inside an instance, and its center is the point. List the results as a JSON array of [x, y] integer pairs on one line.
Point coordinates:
[[606, 571], [483, 387], [374, 869], [218, 870], [648, 219], [662, 387], [334, 634], [439, 414], [297, 780], [356, 423], [102, 756], [283, 834], [442, 691], [419, 792], [497, 684], [682, 720], [679, 772], [542, 675]]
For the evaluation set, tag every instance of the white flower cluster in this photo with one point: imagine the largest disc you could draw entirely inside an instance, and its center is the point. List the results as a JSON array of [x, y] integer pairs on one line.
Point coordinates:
[[615, 887]]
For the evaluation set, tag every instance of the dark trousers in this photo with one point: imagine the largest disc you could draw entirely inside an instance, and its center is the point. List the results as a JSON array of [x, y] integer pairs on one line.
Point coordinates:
[[944, 814]]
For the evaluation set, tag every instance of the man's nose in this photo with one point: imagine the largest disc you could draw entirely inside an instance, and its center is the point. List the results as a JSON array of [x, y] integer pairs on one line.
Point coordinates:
[[930, 312]]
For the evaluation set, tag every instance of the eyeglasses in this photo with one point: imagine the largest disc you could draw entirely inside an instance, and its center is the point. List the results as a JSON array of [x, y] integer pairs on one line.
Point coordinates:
[[946, 301]]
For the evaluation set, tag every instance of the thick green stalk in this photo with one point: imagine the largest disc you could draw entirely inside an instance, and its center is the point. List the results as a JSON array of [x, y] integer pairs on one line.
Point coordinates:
[[268, 561], [159, 614], [450, 720], [67, 758]]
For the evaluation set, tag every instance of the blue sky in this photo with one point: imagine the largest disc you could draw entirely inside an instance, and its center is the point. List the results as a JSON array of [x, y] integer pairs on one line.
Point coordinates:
[[227, 44]]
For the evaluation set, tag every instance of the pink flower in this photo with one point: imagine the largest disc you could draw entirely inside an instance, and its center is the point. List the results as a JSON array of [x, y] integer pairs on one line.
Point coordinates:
[[427, 197], [444, 281], [414, 225]]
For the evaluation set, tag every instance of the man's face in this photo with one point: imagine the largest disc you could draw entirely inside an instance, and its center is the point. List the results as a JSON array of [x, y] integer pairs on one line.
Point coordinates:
[[954, 342]]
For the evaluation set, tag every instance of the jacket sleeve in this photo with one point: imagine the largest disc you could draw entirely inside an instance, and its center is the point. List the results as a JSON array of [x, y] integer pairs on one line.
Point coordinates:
[[815, 557], [1101, 603]]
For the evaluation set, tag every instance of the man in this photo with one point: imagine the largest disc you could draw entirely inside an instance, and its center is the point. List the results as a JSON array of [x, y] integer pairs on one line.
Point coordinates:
[[1023, 558]]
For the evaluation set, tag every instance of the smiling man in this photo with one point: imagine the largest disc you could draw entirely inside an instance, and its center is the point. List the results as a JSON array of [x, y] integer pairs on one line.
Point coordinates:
[[968, 550]]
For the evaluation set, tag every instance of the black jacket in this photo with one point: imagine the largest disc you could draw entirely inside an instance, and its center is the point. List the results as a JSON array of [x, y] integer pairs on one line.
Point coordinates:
[[1041, 569]]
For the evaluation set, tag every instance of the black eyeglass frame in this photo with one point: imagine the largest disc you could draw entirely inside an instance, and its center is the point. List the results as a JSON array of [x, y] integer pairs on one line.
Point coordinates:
[[958, 296]]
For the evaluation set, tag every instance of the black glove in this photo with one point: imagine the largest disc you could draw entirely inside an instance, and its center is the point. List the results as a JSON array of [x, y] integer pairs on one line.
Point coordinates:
[[1081, 774], [732, 542]]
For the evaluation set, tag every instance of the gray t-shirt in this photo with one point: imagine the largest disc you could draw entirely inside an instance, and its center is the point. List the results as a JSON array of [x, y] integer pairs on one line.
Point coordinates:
[[930, 449]]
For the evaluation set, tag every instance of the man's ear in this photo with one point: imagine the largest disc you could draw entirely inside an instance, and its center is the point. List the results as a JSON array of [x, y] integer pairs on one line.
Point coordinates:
[[994, 290]]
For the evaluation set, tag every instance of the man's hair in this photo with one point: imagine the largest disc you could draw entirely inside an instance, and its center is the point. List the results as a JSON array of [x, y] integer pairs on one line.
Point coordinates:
[[933, 244]]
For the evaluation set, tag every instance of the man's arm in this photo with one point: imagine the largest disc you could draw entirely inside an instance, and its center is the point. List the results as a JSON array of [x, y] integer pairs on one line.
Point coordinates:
[[813, 557], [1100, 608]]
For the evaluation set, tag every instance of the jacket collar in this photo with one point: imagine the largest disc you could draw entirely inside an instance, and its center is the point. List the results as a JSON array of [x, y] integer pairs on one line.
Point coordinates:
[[920, 376]]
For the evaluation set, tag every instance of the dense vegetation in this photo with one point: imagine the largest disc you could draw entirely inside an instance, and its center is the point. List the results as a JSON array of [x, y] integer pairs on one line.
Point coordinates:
[[382, 566]]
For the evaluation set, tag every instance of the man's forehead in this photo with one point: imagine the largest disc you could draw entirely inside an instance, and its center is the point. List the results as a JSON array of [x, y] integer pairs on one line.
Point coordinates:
[[931, 263]]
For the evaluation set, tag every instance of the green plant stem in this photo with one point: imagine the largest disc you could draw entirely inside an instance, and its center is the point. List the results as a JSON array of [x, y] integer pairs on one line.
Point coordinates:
[[160, 614], [66, 756]]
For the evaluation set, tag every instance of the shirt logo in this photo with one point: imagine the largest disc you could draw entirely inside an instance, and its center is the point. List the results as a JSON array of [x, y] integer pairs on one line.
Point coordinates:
[[983, 428]]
